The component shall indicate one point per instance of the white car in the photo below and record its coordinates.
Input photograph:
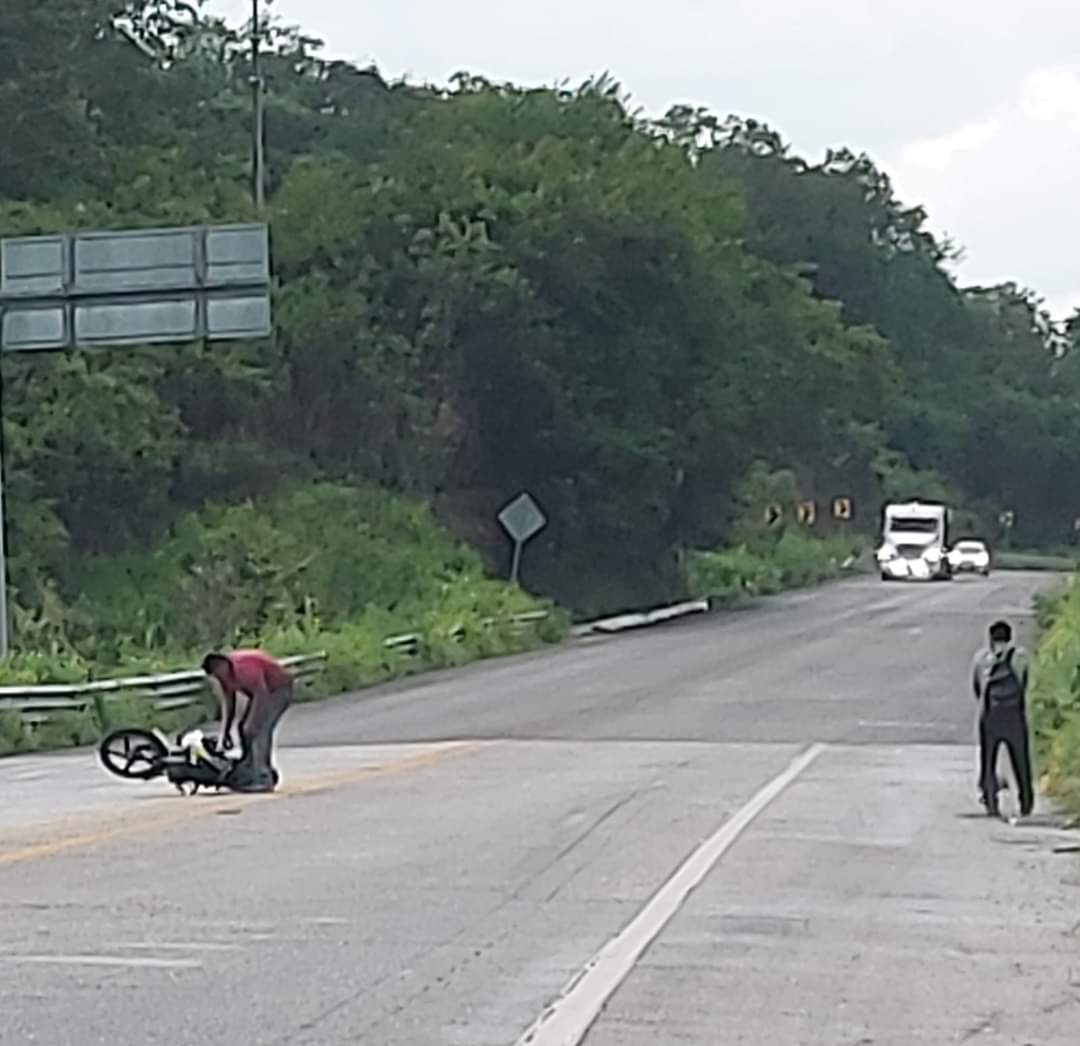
(970, 557)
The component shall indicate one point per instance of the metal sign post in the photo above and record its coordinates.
(522, 519)
(137, 287)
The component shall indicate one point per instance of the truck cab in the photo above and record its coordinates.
(914, 543)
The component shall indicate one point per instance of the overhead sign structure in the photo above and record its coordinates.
(135, 287)
(808, 513)
(842, 508)
(522, 519)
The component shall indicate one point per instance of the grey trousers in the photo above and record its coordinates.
(1008, 728)
(255, 770)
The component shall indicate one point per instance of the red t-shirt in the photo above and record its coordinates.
(253, 670)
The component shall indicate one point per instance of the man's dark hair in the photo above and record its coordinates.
(1001, 632)
(213, 660)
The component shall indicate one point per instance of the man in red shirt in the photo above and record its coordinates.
(268, 687)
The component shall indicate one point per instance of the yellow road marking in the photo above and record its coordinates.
(165, 813)
(336, 778)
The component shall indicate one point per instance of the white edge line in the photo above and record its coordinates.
(101, 960)
(567, 1020)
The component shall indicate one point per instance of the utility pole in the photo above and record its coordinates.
(258, 160)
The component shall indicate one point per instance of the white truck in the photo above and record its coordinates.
(914, 543)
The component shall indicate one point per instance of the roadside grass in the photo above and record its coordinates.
(1054, 702)
(790, 561)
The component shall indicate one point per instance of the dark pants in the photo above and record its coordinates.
(255, 770)
(1006, 727)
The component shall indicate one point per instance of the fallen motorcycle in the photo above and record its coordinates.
(194, 762)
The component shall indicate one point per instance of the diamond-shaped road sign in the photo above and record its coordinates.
(522, 518)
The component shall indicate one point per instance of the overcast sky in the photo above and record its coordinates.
(972, 106)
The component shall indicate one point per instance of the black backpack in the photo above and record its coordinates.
(1003, 686)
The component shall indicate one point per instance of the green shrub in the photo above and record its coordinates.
(318, 556)
(730, 574)
(322, 567)
(14, 734)
(1054, 702)
(792, 559)
(29, 668)
(65, 730)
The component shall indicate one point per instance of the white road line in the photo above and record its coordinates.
(895, 724)
(102, 960)
(174, 946)
(567, 1020)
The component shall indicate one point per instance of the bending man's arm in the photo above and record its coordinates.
(228, 717)
(258, 695)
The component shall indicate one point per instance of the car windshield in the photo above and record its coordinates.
(913, 525)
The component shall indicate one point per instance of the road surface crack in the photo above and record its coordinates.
(985, 1025)
(570, 847)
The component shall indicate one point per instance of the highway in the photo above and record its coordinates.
(758, 827)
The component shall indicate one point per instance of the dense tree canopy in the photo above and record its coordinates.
(486, 288)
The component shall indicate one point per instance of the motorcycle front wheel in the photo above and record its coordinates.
(133, 753)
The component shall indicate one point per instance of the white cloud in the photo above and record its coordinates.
(937, 153)
(1063, 305)
(1052, 94)
(1014, 220)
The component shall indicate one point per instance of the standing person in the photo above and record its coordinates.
(1000, 681)
(268, 687)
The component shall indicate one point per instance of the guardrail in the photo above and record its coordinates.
(626, 622)
(176, 690)
(1036, 561)
(170, 690)
(409, 642)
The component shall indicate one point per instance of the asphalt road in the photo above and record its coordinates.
(754, 828)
